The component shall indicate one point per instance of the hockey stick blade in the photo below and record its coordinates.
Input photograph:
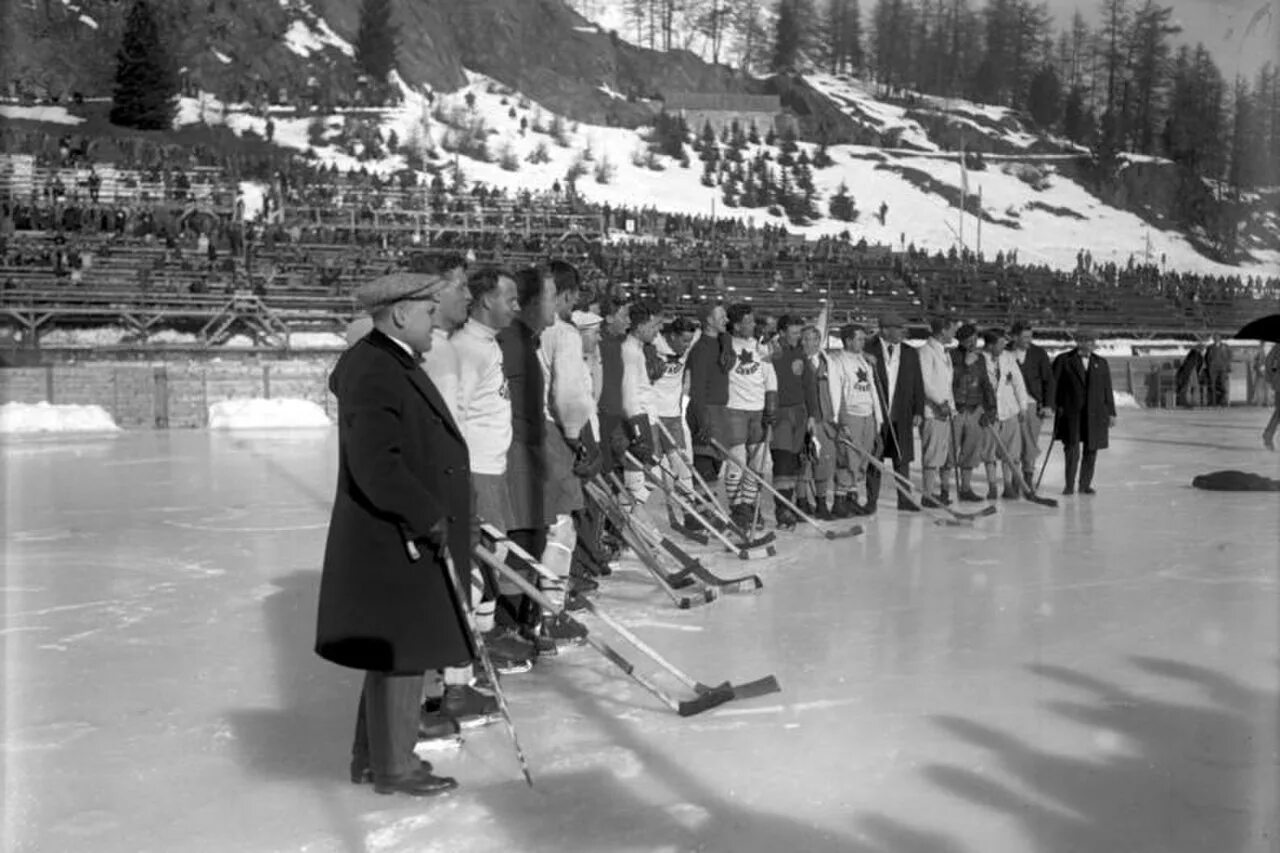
(830, 535)
(691, 535)
(759, 687)
(713, 698)
(1046, 502)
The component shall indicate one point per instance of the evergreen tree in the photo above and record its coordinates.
(1044, 101)
(841, 205)
(788, 37)
(146, 88)
(1077, 122)
(1148, 70)
(375, 40)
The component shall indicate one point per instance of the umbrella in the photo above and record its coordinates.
(1262, 329)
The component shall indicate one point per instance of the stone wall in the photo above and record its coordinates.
(159, 395)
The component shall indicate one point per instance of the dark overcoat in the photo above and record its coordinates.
(402, 467)
(1083, 404)
(908, 398)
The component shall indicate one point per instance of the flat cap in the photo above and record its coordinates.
(892, 320)
(586, 320)
(397, 286)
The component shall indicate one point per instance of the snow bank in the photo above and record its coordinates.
(53, 115)
(25, 418)
(266, 414)
(1125, 400)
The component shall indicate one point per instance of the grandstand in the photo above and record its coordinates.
(189, 248)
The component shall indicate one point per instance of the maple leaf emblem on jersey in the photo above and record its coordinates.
(746, 357)
(862, 374)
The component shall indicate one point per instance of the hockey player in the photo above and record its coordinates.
(791, 419)
(861, 418)
(612, 420)
(975, 408)
(935, 430)
(710, 360)
(484, 407)
(670, 390)
(638, 402)
(750, 411)
(569, 446)
(816, 490)
(1037, 375)
(1012, 403)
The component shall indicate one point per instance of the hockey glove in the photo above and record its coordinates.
(985, 420)
(640, 438)
(768, 417)
(586, 458)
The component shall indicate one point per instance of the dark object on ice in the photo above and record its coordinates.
(1262, 329)
(1235, 481)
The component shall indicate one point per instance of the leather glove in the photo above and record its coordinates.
(640, 439)
(586, 458)
(769, 417)
(985, 420)
(1042, 412)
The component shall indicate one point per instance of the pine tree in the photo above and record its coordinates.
(1044, 100)
(788, 38)
(146, 86)
(1148, 70)
(375, 40)
(1077, 122)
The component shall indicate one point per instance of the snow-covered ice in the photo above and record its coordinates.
(257, 413)
(1100, 677)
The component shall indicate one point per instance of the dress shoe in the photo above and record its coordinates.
(1088, 490)
(1068, 491)
(903, 506)
(362, 773)
(418, 783)
(436, 726)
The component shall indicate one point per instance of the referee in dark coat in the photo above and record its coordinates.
(1084, 409)
(403, 477)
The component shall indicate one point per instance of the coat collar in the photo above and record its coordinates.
(417, 377)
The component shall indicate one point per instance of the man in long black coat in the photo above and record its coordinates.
(898, 378)
(403, 487)
(1084, 408)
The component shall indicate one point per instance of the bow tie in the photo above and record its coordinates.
(672, 359)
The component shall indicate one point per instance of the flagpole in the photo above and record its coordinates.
(979, 219)
(964, 185)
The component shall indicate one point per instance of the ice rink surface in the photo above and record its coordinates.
(1098, 678)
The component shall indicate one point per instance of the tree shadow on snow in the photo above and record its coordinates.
(1163, 776)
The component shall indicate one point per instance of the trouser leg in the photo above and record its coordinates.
(1086, 468)
(1071, 453)
(391, 722)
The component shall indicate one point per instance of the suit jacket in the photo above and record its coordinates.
(403, 466)
(1217, 358)
(908, 399)
(1037, 375)
(1083, 401)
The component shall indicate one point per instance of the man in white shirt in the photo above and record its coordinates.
(815, 490)
(860, 416)
(935, 432)
(1012, 401)
(639, 406)
(753, 392)
(484, 409)
(670, 390)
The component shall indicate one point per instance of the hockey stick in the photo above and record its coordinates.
(905, 493)
(702, 702)
(1043, 465)
(955, 457)
(690, 565)
(801, 514)
(481, 649)
(685, 501)
(714, 504)
(907, 489)
(648, 559)
(750, 689)
(1017, 472)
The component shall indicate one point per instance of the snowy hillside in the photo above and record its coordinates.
(1028, 207)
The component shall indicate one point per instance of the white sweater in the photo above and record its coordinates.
(936, 370)
(1011, 391)
(484, 403)
(637, 390)
(441, 364)
(669, 388)
(569, 400)
(858, 395)
(751, 376)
